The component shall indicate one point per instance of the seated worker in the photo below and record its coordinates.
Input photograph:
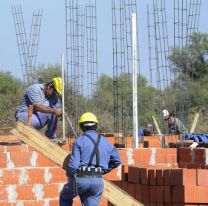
(92, 156)
(175, 126)
(147, 131)
(45, 99)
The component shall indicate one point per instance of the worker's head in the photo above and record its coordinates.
(168, 116)
(88, 121)
(148, 130)
(54, 87)
(165, 114)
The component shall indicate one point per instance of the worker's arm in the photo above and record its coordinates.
(44, 109)
(74, 161)
(114, 162)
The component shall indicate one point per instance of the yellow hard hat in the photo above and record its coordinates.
(88, 117)
(57, 82)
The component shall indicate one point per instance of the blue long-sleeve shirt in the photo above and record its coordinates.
(83, 148)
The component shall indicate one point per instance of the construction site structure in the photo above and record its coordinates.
(33, 171)
(27, 46)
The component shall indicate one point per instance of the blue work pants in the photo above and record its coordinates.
(89, 190)
(39, 120)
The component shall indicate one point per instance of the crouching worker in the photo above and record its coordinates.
(92, 156)
(46, 106)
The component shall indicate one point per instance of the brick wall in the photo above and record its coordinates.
(155, 176)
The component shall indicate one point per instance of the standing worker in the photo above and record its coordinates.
(92, 156)
(46, 106)
(175, 125)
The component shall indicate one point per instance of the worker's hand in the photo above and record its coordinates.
(58, 112)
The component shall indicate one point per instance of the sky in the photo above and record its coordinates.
(52, 35)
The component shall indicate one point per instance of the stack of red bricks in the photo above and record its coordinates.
(156, 186)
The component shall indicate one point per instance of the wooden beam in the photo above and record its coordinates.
(194, 123)
(9, 139)
(61, 157)
(156, 125)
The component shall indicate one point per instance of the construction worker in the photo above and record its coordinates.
(46, 106)
(92, 156)
(147, 131)
(175, 125)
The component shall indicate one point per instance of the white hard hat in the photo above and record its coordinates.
(165, 114)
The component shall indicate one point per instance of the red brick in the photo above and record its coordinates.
(3, 193)
(159, 177)
(166, 177)
(202, 177)
(153, 141)
(172, 138)
(53, 203)
(2, 149)
(123, 155)
(134, 174)
(17, 148)
(159, 194)
(25, 192)
(113, 175)
(58, 175)
(145, 193)
(118, 183)
(192, 158)
(3, 158)
(153, 193)
(183, 177)
(124, 172)
(21, 159)
(36, 176)
(166, 156)
(138, 192)
(43, 161)
(189, 194)
(142, 156)
(124, 185)
(51, 190)
(9, 176)
(167, 194)
(144, 176)
(152, 176)
(132, 189)
(33, 203)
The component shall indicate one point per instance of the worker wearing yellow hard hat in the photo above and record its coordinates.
(57, 82)
(46, 105)
(92, 156)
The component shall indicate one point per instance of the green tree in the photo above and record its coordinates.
(45, 74)
(192, 60)
(191, 66)
(11, 89)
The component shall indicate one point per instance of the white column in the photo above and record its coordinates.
(63, 97)
(134, 79)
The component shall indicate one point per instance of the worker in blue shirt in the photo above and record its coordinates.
(92, 156)
(46, 106)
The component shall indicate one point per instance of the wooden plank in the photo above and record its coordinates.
(194, 123)
(156, 125)
(9, 138)
(61, 157)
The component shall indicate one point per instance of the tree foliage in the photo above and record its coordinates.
(193, 59)
(11, 90)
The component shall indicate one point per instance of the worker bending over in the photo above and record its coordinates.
(46, 106)
(175, 125)
(92, 156)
